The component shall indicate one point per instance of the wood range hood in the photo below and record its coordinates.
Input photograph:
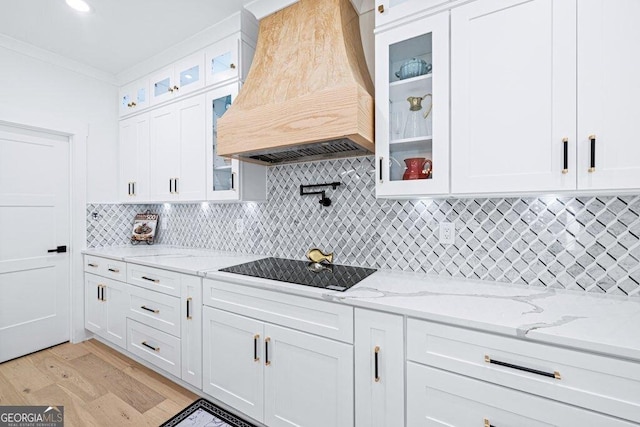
(308, 95)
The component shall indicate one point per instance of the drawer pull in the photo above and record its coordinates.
(376, 351)
(92, 265)
(99, 287)
(256, 358)
(267, 362)
(150, 279)
(150, 309)
(554, 374)
(114, 270)
(487, 423)
(144, 343)
(189, 316)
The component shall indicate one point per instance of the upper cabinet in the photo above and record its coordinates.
(228, 59)
(390, 10)
(134, 97)
(412, 109)
(608, 92)
(134, 155)
(229, 179)
(177, 138)
(551, 106)
(512, 97)
(178, 79)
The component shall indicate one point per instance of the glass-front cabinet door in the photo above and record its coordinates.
(222, 172)
(162, 86)
(412, 109)
(134, 97)
(221, 62)
(188, 74)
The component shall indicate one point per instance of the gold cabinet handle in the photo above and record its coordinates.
(554, 374)
(189, 315)
(114, 270)
(267, 362)
(153, 310)
(144, 343)
(565, 154)
(176, 88)
(256, 358)
(376, 352)
(150, 279)
(487, 423)
(381, 8)
(592, 163)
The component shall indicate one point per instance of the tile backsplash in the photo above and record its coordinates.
(580, 243)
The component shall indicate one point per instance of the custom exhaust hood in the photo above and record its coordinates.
(308, 94)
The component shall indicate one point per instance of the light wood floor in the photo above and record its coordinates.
(96, 385)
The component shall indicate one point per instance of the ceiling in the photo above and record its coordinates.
(116, 34)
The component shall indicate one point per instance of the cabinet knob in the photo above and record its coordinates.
(170, 89)
(232, 66)
(381, 8)
(133, 104)
(176, 88)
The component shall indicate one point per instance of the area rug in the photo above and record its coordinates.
(203, 413)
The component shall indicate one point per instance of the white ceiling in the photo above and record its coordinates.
(117, 34)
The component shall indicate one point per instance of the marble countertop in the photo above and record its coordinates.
(598, 323)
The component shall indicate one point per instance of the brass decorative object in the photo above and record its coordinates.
(316, 255)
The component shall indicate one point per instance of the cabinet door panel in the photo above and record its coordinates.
(379, 340)
(513, 96)
(608, 93)
(231, 372)
(162, 86)
(94, 308)
(191, 334)
(116, 298)
(192, 163)
(165, 149)
(134, 155)
(309, 380)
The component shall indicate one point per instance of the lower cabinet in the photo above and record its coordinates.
(379, 369)
(105, 304)
(440, 398)
(157, 316)
(277, 375)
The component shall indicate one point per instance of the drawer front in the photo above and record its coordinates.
(439, 398)
(106, 267)
(305, 314)
(167, 282)
(599, 383)
(154, 346)
(155, 309)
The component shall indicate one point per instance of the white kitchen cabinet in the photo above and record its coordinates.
(412, 114)
(228, 59)
(177, 141)
(513, 96)
(608, 94)
(518, 100)
(255, 361)
(379, 369)
(105, 307)
(191, 330)
(177, 79)
(229, 179)
(233, 367)
(436, 397)
(387, 11)
(134, 159)
(134, 97)
(276, 375)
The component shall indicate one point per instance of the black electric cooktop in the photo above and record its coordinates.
(327, 276)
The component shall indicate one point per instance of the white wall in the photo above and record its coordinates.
(58, 91)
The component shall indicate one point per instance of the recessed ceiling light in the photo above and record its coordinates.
(79, 5)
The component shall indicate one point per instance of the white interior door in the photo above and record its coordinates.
(34, 218)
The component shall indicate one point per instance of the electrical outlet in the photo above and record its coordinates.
(447, 233)
(239, 226)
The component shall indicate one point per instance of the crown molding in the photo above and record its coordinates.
(49, 57)
(262, 8)
(363, 6)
